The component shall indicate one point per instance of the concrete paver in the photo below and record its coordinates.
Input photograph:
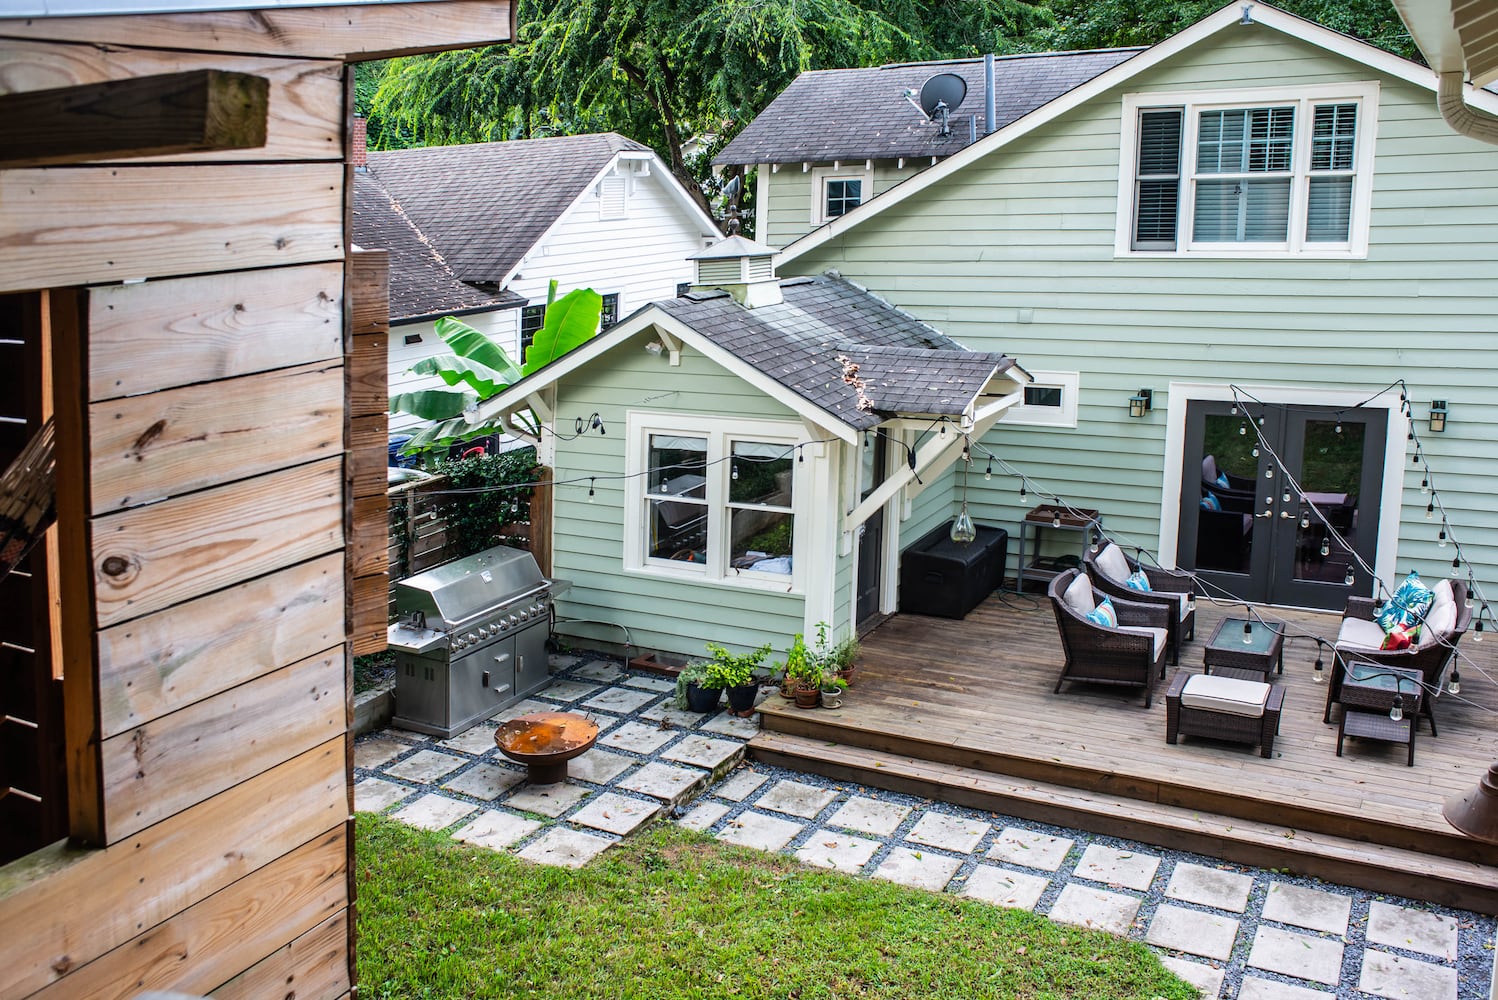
(548, 800)
(614, 813)
(703, 815)
(1400, 978)
(1206, 978)
(1313, 909)
(918, 869)
(636, 737)
(599, 766)
(840, 851)
(705, 752)
(478, 741)
(796, 798)
(1412, 930)
(1030, 849)
(1254, 988)
(1213, 887)
(1098, 909)
(868, 815)
(1001, 887)
(1303, 956)
(380, 750)
(564, 847)
(496, 829)
(374, 794)
(761, 832)
(950, 833)
(426, 766)
(740, 784)
(665, 782)
(484, 781)
(1209, 935)
(433, 812)
(1130, 869)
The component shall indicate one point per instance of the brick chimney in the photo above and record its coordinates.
(358, 155)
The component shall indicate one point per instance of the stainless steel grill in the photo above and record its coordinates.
(470, 639)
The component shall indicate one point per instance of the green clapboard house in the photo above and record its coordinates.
(1250, 250)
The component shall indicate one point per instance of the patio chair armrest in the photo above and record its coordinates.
(1177, 685)
(1168, 581)
(1360, 607)
(1276, 700)
(1139, 613)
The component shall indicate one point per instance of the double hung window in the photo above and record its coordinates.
(838, 191)
(713, 498)
(1284, 174)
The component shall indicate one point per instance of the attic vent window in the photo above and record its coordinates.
(761, 268)
(613, 199)
(717, 272)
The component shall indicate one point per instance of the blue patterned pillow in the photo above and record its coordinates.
(1407, 606)
(1210, 502)
(1138, 581)
(1222, 480)
(1105, 614)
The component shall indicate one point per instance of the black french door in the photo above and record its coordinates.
(1249, 533)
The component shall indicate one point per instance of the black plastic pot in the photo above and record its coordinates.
(701, 699)
(741, 698)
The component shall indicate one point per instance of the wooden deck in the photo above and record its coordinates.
(964, 711)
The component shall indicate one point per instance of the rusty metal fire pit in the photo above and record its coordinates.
(544, 742)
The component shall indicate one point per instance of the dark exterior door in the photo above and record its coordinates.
(1281, 532)
(872, 470)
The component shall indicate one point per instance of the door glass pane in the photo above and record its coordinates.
(677, 498)
(1331, 473)
(1224, 527)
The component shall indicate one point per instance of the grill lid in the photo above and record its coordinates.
(457, 591)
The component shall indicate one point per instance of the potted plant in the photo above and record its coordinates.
(837, 659)
(804, 672)
(832, 691)
(692, 692)
(736, 674)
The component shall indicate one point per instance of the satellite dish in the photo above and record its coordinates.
(943, 89)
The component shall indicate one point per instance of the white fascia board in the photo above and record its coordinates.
(672, 185)
(1224, 19)
(652, 316)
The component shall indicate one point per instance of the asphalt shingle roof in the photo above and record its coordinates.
(859, 114)
(484, 205)
(421, 283)
(843, 349)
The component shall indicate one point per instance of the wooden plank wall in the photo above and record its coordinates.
(368, 417)
(203, 404)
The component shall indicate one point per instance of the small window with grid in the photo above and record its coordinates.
(532, 319)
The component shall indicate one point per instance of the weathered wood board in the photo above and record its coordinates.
(149, 558)
(312, 967)
(161, 334)
(370, 543)
(147, 448)
(371, 612)
(168, 660)
(213, 940)
(136, 884)
(305, 120)
(89, 225)
(369, 455)
(370, 31)
(168, 765)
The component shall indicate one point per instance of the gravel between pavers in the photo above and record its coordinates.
(1475, 939)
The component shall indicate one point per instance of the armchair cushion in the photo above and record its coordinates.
(1439, 621)
(1359, 633)
(1400, 637)
(1210, 502)
(1079, 597)
(1157, 636)
(1137, 580)
(1408, 605)
(1113, 563)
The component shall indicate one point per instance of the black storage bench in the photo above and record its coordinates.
(946, 579)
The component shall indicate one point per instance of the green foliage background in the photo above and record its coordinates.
(474, 519)
(665, 71)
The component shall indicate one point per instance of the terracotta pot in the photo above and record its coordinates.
(807, 697)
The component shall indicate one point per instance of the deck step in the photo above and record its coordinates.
(1341, 860)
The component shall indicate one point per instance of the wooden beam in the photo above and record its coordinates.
(197, 111)
(352, 33)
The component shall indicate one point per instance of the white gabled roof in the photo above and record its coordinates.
(1225, 19)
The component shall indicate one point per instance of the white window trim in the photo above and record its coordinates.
(1064, 415)
(821, 175)
(640, 425)
(1364, 94)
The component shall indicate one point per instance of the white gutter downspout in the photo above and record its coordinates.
(1474, 124)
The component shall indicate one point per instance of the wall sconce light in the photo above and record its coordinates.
(1437, 416)
(1141, 402)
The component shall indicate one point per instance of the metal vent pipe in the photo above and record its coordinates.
(988, 112)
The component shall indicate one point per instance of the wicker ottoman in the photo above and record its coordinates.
(1224, 708)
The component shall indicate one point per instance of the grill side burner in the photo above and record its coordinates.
(470, 640)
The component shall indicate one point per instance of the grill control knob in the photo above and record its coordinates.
(469, 638)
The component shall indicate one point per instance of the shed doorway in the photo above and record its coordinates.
(1289, 531)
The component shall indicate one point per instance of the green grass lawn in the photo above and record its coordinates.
(672, 914)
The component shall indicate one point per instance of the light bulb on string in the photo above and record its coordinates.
(1285, 496)
(1350, 578)
(1430, 511)
(1022, 490)
(1094, 543)
(1248, 632)
(1326, 547)
(1056, 519)
(735, 473)
(590, 489)
(1234, 411)
(1256, 451)
(1424, 486)
(1305, 520)
(1269, 472)
(1456, 566)
(1441, 538)
(1338, 428)
(1396, 710)
(963, 530)
(1454, 685)
(1416, 459)
(1243, 429)
(1318, 672)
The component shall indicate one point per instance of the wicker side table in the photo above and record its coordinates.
(1227, 654)
(1367, 694)
(1255, 730)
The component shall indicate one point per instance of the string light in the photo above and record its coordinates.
(590, 489)
(988, 472)
(1318, 672)
(1454, 684)
(1441, 538)
(1396, 710)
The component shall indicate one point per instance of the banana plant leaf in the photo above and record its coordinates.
(445, 432)
(469, 343)
(434, 404)
(571, 321)
(475, 374)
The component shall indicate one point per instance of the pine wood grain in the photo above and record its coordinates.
(369, 545)
(165, 766)
(147, 448)
(214, 939)
(169, 660)
(371, 613)
(312, 967)
(152, 557)
(369, 377)
(369, 455)
(190, 111)
(136, 884)
(369, 31)
(89, 225)
(162, 334)
(304, 100)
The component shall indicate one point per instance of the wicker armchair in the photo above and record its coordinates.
(1129, 654)
(1433, 658)
(1168, 588)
